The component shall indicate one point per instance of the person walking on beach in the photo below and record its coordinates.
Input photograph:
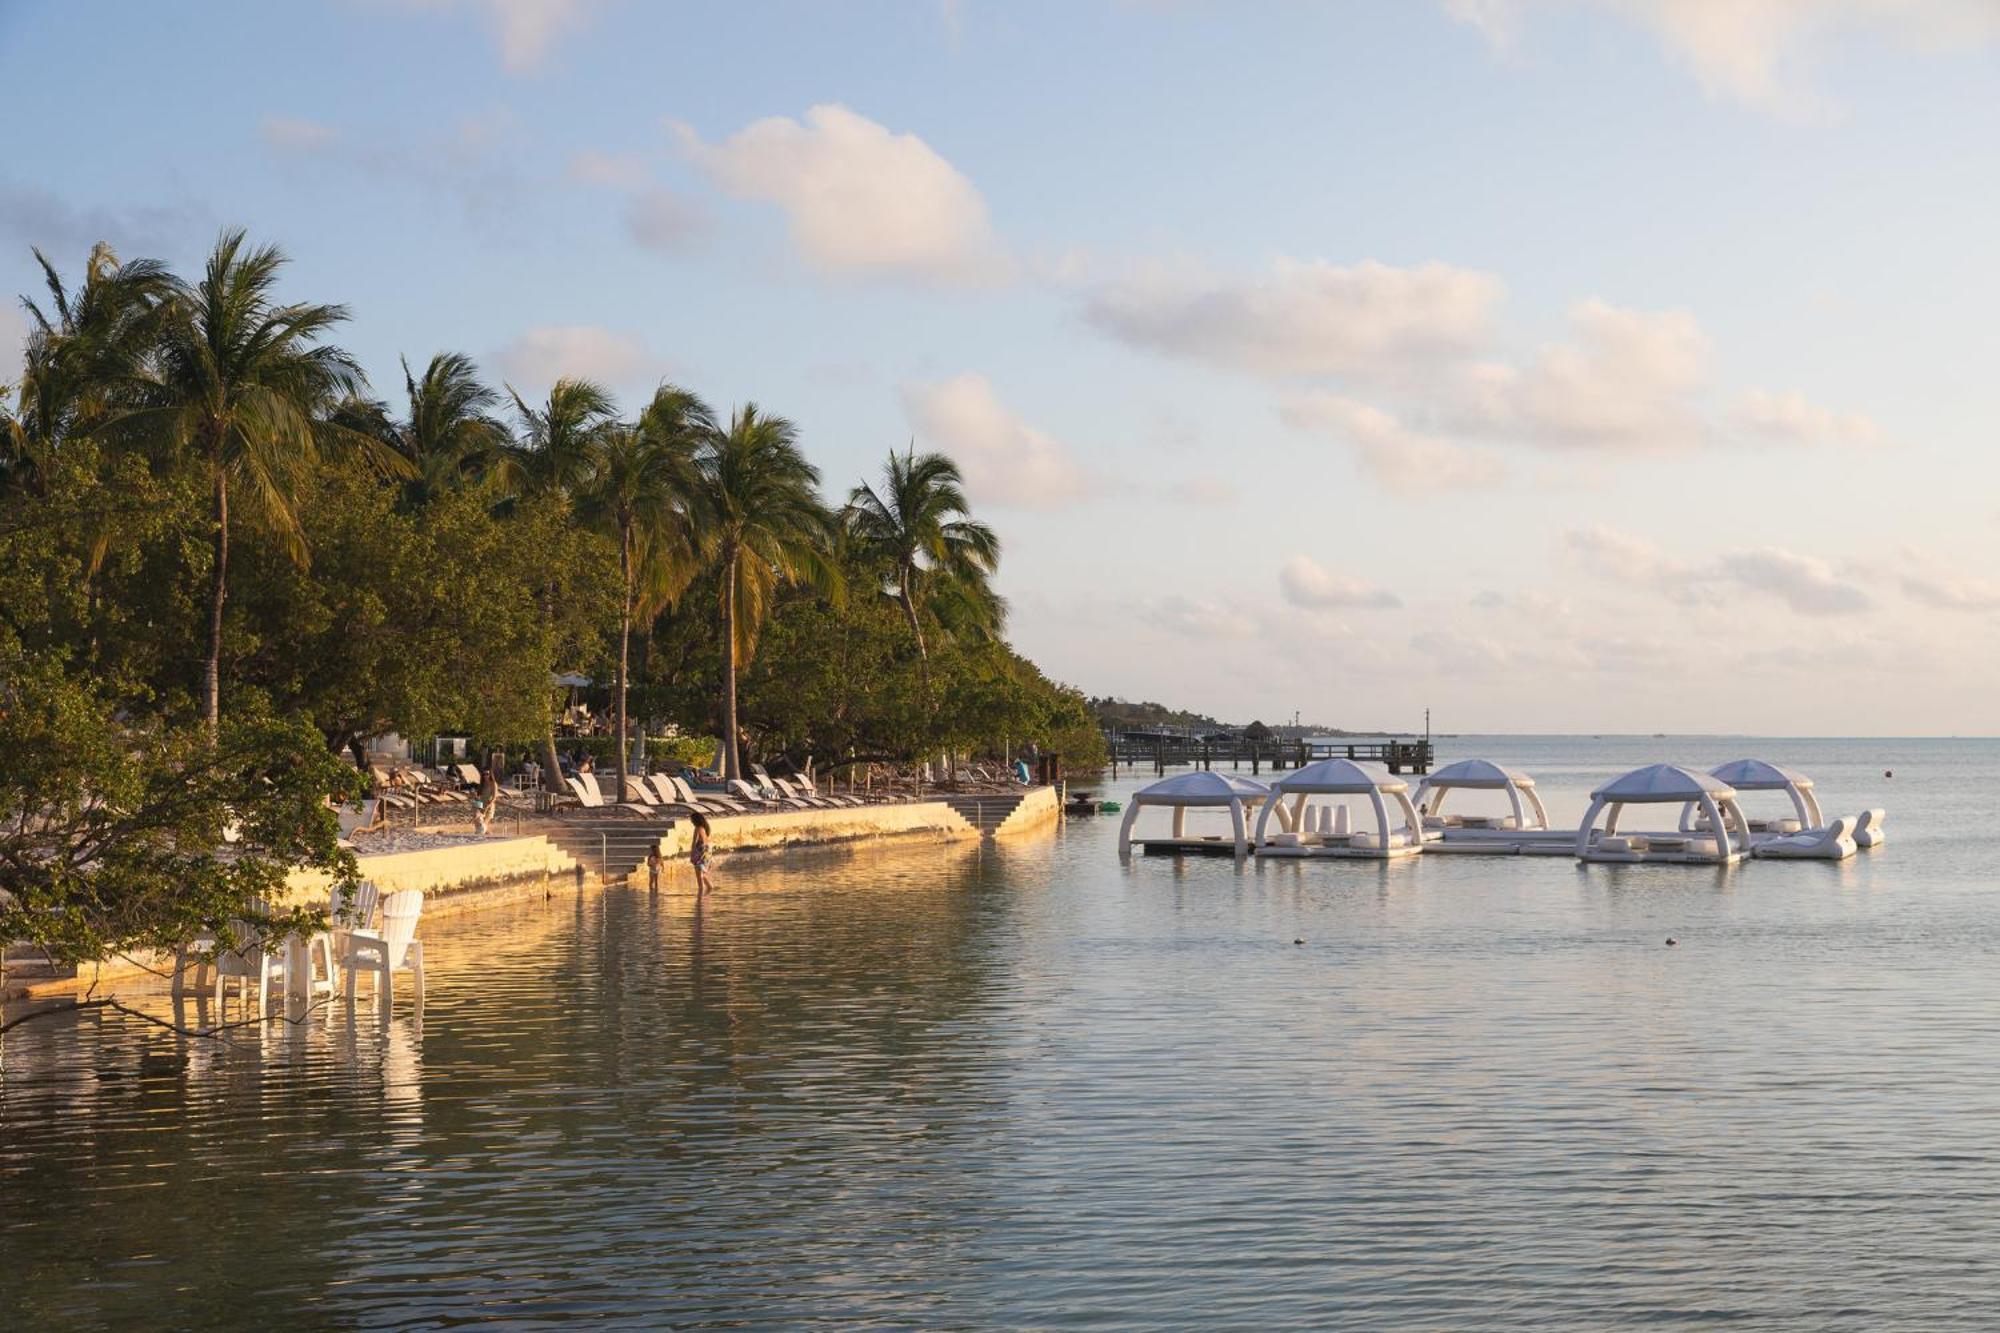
(698, 854)
(485, 801)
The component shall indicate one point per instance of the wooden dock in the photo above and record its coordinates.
(1142, 752)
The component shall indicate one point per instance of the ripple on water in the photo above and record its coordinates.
(1023, 1085)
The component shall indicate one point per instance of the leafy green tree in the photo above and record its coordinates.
(112, 829)
(757, 497)
(550, 458)
(639, 492)
(237, 386)
(920, 527)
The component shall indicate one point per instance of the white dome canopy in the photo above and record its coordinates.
(1662, 782)
(1478, 773)
(1337, 776)
(1757, 775)
(1200, 788)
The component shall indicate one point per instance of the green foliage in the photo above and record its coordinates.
(112, 831)
(200, 496)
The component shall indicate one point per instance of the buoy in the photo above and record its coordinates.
(1671, 941)
(1888, 772)
(1299, 941)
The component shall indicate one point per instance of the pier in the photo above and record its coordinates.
(1147, 751)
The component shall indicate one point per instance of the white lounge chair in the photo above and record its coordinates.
(1868, 831)
(391, 949)
(1831, 843)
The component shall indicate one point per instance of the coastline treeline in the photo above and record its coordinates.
(217, 538)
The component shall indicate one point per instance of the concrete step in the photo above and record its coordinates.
(985, 811)
(611, 849)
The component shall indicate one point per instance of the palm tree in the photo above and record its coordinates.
(920, 527)
(757, 497)
(554, 456)
(451, 439)
(81, 353)
(639, 492)
(239, 385)
(554, 453)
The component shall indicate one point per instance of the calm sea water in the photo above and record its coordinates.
(1020, 1085)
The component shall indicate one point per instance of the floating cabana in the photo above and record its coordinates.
(1526, 829)
(1317, 828)
(1723, 838)
(1804, 835)
(1194, 791)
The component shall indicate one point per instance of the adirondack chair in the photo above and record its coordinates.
(388, 950)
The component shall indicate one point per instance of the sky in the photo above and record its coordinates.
(1554, 365)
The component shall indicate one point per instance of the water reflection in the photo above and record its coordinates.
(1019, 1084)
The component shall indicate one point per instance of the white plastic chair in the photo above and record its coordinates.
(261, 962)
(391, 949)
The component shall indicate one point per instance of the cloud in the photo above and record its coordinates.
(1807, 584)
(1305, 583)
(66, 232)
(1757, 51)
(471, 163)
(13, 337)
(1207, 491)
(1932, 582)
(859, 200)
(663, 220)
(625, 171)
(1198, 618)
(1450, 650)
(294, 134)
(524, 30)
(1006, 461)
(1303, 317)
(551, 352)
(1398, 457)
(1787, 418)
(1626, 384)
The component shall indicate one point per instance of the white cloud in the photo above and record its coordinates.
(1006, 461)
(1209, 491)
(551, 352)
(1756, 51)
(1449, 650)
(294, 134)
(1306, 583)
(859, 199)
(623, 171)
(1807, 584)
(1625, 384)
(1198, 618)
(1787, 418)
(663, 220)
(1933, 582)
(13, 337)
(1398, 457)
(525, 30)
(1303, 317)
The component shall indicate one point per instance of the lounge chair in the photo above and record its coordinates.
(1831, 843)
(709, 802)
(391, 949)
(1868, 831)
(591, 798)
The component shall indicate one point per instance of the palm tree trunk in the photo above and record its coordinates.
(910, 611)
(732, 762)
(624, 641)
(211, 673)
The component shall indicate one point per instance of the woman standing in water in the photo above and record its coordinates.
(698, 853)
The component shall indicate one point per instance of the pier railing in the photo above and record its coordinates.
(1159, 753)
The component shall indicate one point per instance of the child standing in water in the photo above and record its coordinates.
(698, 853)
(653, 863)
